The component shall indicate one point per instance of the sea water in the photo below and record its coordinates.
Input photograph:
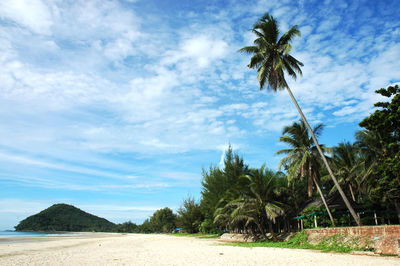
(7, 237)
(12, 234)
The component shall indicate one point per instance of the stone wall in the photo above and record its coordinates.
(384, 239)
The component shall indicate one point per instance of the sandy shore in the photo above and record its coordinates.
(136, 249)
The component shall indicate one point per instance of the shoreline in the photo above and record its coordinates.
(152, 249)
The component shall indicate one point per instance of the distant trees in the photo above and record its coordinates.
(127, 227)
(190, 216)
(163, 220)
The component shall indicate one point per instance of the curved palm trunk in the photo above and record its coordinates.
(346, 201)
(324, 201)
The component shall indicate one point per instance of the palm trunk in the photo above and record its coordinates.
(346, 201)
(396, 204)
(352, 193)
(296, 205)
(324, 201)
(271, 231)
(262, 231)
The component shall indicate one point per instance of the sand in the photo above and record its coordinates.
(137, 249)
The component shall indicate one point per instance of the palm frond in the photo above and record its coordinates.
(249, 50)
(288, 36)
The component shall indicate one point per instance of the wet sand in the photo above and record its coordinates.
(138, 249)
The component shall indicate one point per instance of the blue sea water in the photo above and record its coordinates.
(12, 234)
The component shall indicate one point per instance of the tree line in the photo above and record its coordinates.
(263, 202)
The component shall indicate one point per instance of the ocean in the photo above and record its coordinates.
(9, 235)
(21, 234)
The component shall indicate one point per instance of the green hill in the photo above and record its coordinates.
(63, 217)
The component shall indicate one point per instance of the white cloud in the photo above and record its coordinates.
(201, 49)
(32, 14)
(23, 161)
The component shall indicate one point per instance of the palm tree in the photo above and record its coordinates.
(257, 205)
(302, 158)
(348, 166)
(370, 145)
(271, 58)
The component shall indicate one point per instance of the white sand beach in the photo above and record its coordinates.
(138, 249)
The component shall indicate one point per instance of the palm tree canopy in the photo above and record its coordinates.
(302, 156)
(349, 167)
(257, 204)
(263, 190)
(271, 55)
(346, 159)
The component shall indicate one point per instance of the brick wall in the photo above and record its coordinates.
(385, 238)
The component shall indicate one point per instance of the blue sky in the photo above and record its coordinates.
(116, 106)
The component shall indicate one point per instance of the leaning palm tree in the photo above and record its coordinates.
(271, 58)
(302, 157)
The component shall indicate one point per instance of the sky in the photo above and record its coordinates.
(116, 107)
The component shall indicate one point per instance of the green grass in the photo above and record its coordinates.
(299, 241)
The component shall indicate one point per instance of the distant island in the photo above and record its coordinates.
(64, 217)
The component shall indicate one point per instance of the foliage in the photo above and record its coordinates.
(322, 217)
(220, 185)
(127, 227)
(349, 164)
(270, 53)
(146, 227)
(190, 216)
(63, 217)
(163, 220)
(256, 207)
(384, 124)
(208, 226)
(302, 159)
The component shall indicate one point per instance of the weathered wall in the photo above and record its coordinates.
(385, 239)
